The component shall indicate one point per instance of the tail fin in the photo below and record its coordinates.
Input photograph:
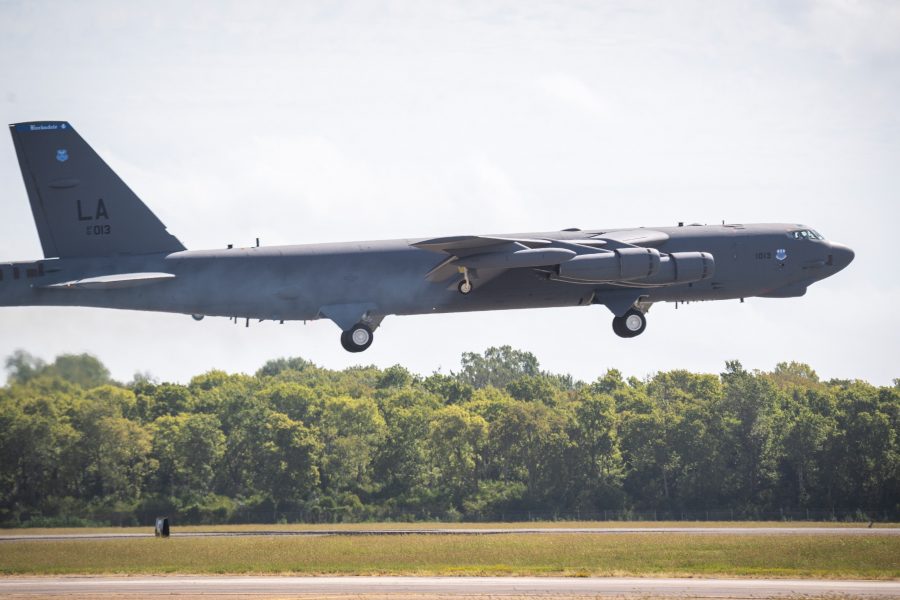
(80, 205)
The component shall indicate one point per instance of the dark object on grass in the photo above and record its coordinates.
(162, 527)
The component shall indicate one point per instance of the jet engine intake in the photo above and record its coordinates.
(617, 265)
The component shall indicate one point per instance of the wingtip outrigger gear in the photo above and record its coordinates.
(465, 286)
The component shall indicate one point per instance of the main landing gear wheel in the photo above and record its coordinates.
(357, 338)
(464, 286)
(630, 324)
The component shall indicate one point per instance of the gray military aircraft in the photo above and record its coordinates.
(104, 248)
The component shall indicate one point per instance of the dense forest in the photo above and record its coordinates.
(499, 439)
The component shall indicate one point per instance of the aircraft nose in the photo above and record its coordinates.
(840, 256)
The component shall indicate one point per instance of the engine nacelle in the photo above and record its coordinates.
(618, 265)
(683, 267)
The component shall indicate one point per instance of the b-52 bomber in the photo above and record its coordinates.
(104, 248)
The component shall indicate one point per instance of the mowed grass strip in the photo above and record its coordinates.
(818, 556)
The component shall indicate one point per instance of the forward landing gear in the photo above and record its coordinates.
(630, 324)
(357, 338)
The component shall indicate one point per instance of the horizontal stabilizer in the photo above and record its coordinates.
(111, 282)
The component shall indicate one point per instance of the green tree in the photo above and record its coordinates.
(22, 366)
(595, 434)
(751, 409)
(113, 455)
(279, 365)
(187, 448)
(401, 462)
(456, 438)
(119, 452)
(170, 399)
(296, 400)
(36, 451)
(287, 461)
(499, 436)
(352, 430)
(83, 370)
(536, 388)
(865, 454)
(806, 433)
(497, 367)
(395, 377)
(527, 443)
(450, 389)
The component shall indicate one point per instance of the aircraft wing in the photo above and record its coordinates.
(634, 237)
(463, 245)
(466, 245)
(487, 256)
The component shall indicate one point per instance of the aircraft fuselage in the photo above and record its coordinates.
(295, 282)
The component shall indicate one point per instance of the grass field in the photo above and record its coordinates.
(437, 525)
(819, 556)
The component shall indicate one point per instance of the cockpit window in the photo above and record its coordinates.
(806, 234)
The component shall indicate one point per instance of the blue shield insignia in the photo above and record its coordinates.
(780, 254)
(62, 155)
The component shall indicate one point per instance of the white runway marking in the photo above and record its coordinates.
(523, 586)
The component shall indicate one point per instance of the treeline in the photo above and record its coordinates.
(497, 438)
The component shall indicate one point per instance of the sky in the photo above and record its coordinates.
(304, 122)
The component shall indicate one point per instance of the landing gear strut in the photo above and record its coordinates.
(630, 324)
(465, 286)
(357, 338)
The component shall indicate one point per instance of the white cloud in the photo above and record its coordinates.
(858, 30)
(573, 92)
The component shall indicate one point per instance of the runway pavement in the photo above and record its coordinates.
(518, 586)
(476, 531)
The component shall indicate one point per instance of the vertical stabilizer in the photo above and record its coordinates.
(80, 206)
